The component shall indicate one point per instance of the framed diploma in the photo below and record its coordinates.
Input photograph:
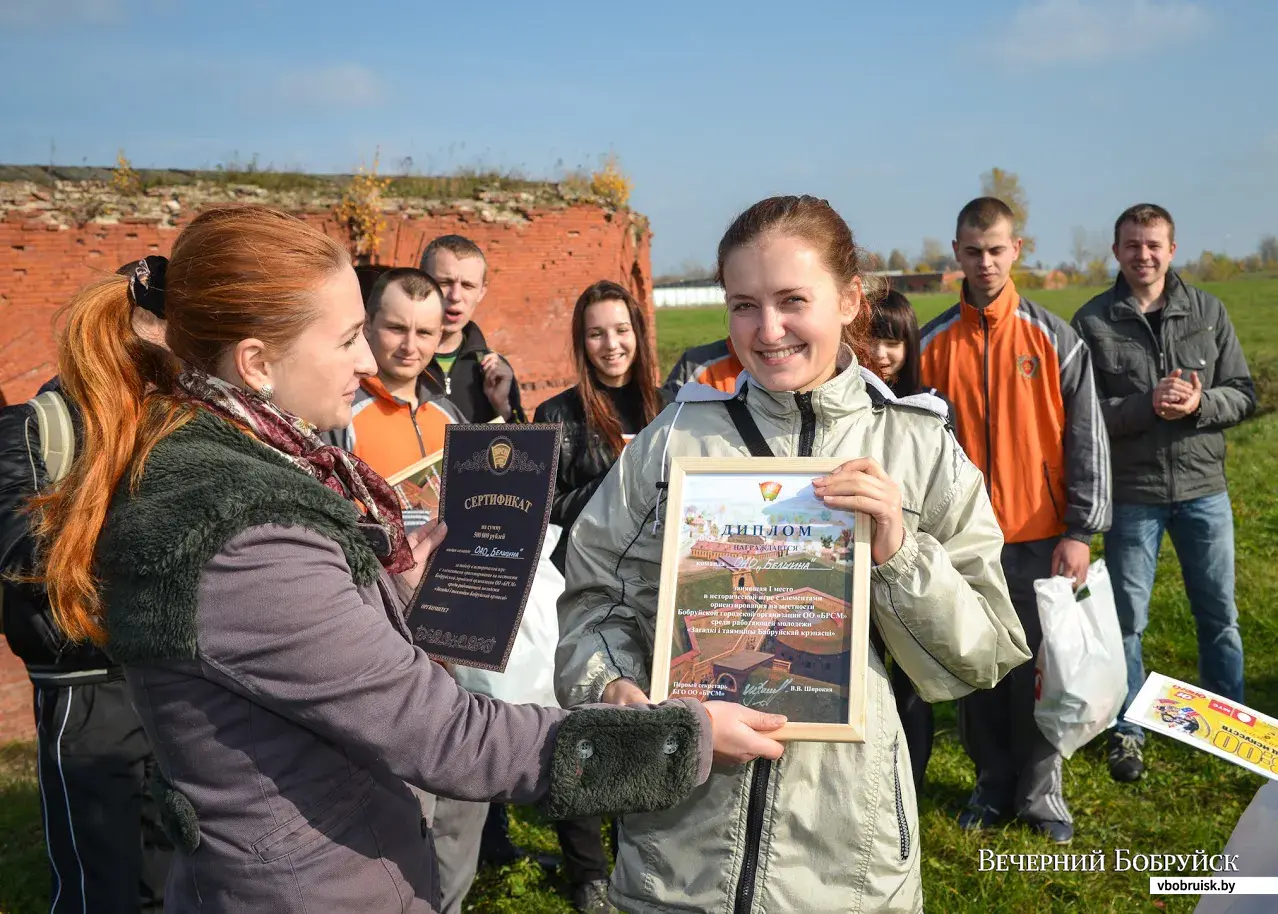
(418, 489)
(765, 595)
(495, 494)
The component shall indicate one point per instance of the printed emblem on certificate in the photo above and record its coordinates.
(765, 595)
(495, 495)
(418, 489)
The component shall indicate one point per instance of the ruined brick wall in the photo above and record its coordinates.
(542, 251)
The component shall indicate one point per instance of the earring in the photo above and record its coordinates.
(266, 392)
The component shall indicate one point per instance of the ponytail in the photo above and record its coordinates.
(234, 273)
(111, 374)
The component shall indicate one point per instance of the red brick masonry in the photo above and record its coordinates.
(538, 267)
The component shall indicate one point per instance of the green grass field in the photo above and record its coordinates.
(1188, 802)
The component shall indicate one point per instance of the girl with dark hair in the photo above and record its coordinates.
(831, 827)
(615, 397)
(894, 343)
(894, 357)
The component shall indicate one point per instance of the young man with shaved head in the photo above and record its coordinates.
(1028, 416)
(478, 380)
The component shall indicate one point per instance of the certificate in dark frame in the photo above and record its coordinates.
(496, 492)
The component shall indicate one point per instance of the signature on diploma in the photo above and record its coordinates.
(763, 693)
(491, 553)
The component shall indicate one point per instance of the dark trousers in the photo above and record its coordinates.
(1017, 770)
(580, 840)
(107, 853)
(916, 721)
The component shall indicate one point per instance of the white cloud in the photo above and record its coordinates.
(59, 12)
(1046, 32)
(343, 86)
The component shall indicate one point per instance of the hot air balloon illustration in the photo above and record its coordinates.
(770, 490)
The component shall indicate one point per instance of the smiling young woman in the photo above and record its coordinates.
(615, 397)
(834, 824)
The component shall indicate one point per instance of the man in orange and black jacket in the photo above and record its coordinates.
(713, 364)
(1028, 416)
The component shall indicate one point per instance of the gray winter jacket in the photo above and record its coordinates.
(831, 827)
(1158, 461)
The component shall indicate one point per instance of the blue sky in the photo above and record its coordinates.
(891, 111)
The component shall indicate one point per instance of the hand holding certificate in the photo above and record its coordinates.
(496, 487)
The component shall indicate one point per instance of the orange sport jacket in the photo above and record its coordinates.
(388, 434)
(1027, 414)
(714, 364)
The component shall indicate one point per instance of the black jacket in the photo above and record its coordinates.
(1159, 461)
(463, 384)
(28, 621)
(584, 460)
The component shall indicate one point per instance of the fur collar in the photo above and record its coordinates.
(202, 485)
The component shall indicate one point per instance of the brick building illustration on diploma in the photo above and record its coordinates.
(764, 599)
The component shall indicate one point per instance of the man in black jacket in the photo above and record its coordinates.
(107, 852)
(1171, 377)
(477, 380)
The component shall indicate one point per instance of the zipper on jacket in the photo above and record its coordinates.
(1159, 348)
(807, 423)
(902, 821)
(761, 776)
(412, 416)
(989, 432)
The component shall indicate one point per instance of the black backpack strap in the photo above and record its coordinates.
(747, 428)
(758, 446)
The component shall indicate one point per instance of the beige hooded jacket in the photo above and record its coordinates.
(829, 827)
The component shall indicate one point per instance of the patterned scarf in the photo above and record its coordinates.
(295, 440)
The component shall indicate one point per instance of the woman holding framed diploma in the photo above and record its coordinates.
(250, 580)
(830, 827)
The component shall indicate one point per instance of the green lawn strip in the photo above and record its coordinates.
(24, 867)
(1189, 801)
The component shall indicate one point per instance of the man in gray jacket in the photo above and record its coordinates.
(1171, 377)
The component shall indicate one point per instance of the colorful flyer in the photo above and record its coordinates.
(1206, 721)
(764, 595)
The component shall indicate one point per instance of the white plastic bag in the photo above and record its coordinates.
(1080, 675)
(530, 672)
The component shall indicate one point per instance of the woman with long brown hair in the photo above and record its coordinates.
(614, 399)
(250, 580)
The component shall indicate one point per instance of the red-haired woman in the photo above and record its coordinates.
(250, 581)
(615, 398)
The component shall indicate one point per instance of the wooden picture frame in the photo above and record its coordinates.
(788, 582)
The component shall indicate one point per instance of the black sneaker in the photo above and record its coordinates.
(592, 898)
(1057, 832)
(1126, 763)
(978, 818)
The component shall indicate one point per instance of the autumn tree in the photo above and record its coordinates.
(1268, 250)
(1006, 186)
(935, 255)
(897, 260)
